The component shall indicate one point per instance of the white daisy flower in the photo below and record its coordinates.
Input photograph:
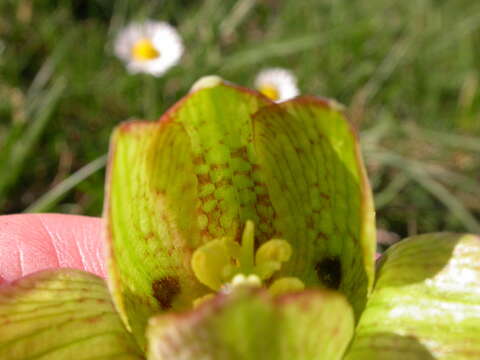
(277, 84)
(150, 47)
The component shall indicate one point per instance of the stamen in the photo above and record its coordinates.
(201, 300)
(286, 285)
(210, 262)
(248, 244)
(270, 256)
(223, 264)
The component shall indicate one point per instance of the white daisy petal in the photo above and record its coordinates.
(126, 39)
(276, 83)
(150, 47)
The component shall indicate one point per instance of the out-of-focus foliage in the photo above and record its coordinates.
(407, 71)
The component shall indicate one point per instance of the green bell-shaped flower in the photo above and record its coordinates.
(188, 184)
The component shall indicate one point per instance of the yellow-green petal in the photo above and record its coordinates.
(62, 314)
(312, 168)
(150, 204)
(250, 325)
(172, 186)
(426, 302)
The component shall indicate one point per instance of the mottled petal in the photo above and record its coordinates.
(310, 325)
(61, 314)
(426, 302)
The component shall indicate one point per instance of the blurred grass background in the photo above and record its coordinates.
(408, 71)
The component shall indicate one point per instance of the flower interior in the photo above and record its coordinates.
(223, 264)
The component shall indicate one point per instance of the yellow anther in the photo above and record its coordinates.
(270, 91)
(143, 50)
(210, 261)
(270, 256)
(267, 269)
(286, 285)
(273, 250)
(203, 299)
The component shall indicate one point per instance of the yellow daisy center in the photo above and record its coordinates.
(269, 91)
(223, 264)
(143, 50)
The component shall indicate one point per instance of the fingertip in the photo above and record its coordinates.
(34, 242)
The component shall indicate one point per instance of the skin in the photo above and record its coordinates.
(34, 242)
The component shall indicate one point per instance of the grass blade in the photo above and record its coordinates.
(23, 146)
(50, 198)
(422, 177)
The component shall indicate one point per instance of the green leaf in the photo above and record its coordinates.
(426, 302)
(310, 160)
(61, 314)
(308, 325)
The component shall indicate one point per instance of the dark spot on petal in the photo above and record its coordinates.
(165, 290)
(329, 272)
